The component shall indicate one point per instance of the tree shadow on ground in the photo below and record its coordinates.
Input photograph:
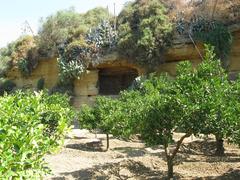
(85, 147)
(199, 147)
(206, 149)
(122, 170)
(131, 151)
(231, 174)
(228, 157)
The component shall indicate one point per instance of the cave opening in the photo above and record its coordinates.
(113, 80)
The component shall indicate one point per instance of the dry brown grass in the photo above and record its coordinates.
(224, 10)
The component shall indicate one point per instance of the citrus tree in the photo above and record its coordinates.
(31, 125)
(198, 100)
(106, 115)
(232, 113)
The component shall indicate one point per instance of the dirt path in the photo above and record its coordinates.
(78, 159)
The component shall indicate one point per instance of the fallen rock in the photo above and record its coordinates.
(125, 173)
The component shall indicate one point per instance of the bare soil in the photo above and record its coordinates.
(81, 159)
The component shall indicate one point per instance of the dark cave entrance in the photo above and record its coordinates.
(113, 80)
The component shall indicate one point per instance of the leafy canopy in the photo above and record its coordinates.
(66, 25)
(198, 100)
(31, 125)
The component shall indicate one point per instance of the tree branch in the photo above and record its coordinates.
(179, 143)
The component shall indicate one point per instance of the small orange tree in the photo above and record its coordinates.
(197, 101)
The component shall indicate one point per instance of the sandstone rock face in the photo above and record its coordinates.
(47, 69)
(87, 84)
(87, 87)
(187, 51)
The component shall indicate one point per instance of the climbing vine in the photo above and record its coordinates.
(76, 56)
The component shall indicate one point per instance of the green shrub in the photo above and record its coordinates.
(5, 64)
(66, 25)
(21, 52)
(144, 31)
(6, 86)
(40, 84)
(23, 67)
(75, 57)
(87, 118)
(31, 125)
(63, 87)
(216, 34)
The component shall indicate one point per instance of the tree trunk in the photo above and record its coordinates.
(107, 141)
(219, 146)
(170, 157)
(170, 168)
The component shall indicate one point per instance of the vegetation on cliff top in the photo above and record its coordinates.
(144, 29)
(66, 26)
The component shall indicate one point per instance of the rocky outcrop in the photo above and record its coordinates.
(46, 69)
(87, 87)
(184, 49)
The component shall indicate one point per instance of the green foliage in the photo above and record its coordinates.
(76, 56)
(199, 100)
(5, 59)
(215, 34)
(55, 30)
(22, 53)
(31, 125)
(100, 116)
(87, 118)
(23, 67)
(74, 60)
(5, 64)
(40, 84)
(144, 31)
(63, 87)
(232, 113)
(95, 16)
(65, 26)
(6, 86)
(112, 116)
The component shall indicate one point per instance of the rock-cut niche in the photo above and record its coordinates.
(113, 80)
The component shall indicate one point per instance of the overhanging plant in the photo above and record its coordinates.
(75, 57)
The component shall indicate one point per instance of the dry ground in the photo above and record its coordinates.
(132, 160)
